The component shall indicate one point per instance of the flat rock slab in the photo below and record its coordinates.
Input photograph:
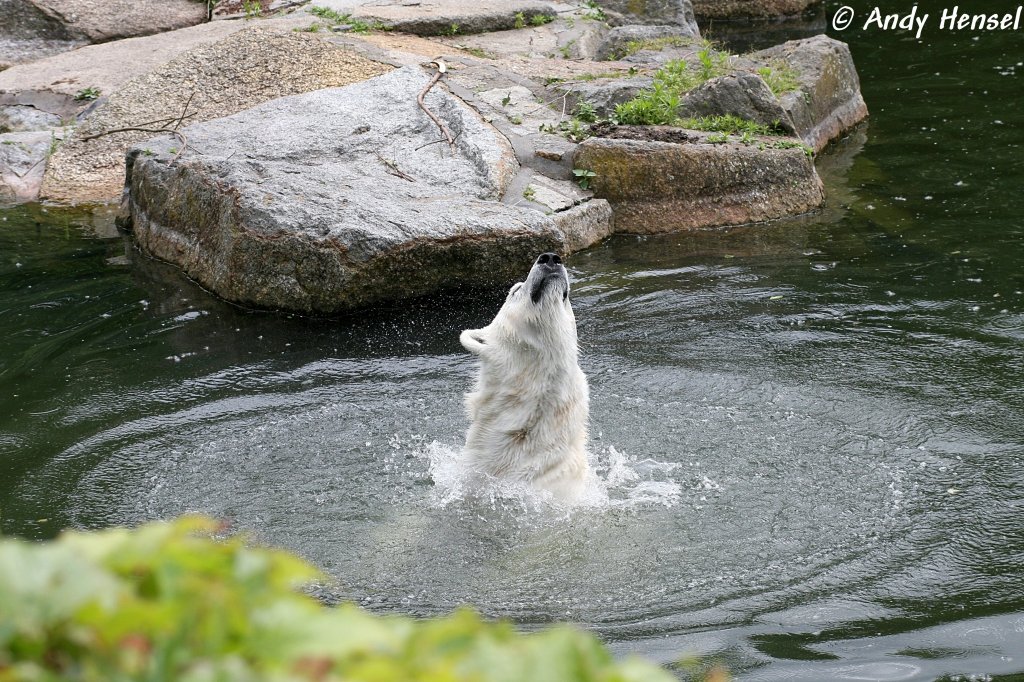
(105, 67)
(343, 197)
(829, 101)
(442, 17)
(650, 12)
(99, 21)
(743, 10)
(656, 186)
(215, 79)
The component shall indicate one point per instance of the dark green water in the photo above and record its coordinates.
(812, 432)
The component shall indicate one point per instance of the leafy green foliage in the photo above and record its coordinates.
(87, 94)
(653, 44)
(585, 111)
(658, 105)
(572, 129)
(340, 19)
(729, 124)
(780, 77)
(583, 177)
(594, 11)
(165, 602)
(713, 64)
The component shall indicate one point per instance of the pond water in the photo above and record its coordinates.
(810, 433)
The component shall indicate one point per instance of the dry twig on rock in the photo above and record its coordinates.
(173, 131)
(441, 69)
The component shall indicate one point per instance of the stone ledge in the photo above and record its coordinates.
(657, 187)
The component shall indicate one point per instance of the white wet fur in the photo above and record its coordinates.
(528, 411)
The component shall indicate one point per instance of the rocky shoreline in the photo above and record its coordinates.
(284, 162)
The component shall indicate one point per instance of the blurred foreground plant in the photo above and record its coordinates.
(167, 602)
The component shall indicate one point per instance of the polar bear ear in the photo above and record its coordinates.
(512, 292)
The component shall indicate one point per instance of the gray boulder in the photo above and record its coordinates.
(343, 197)
(744, 94)
(655, 12)
(20, 118)
(22, 162)
(658, 186)
(829, 101)
(602, 94)
(624, 40)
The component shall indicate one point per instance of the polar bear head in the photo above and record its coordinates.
(537, 311)
(528, 412)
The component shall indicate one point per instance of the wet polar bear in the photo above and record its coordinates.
(528, 411)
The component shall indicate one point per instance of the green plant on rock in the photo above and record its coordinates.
(585, 111)
(87, 94)
(583, 177)
(252, 8)
(520, 20)
(793, 144)
(733, 125)
(355, 24)
(167, 602)
(541, 19)
(573, 130)
(651, 44)
(594, 11)
(780, 77)
(717, 138)
(529, 193)
(656, 106)
(713, 64)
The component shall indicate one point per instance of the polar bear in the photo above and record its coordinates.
(529, 409)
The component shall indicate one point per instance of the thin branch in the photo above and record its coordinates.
(184, 110)
(440, 124)
(393, 169)
(172, 131)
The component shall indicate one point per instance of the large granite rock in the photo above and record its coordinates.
(651, 12)
(621, 41)
(656, 186)
(603, 94)
(343, 197)
(745, 95)
(828, 101)
(99, 21)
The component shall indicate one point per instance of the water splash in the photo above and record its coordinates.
(615, 480)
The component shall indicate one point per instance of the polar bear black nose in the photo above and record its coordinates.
(546, 258)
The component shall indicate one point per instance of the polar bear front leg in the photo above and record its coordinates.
(473, 340)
